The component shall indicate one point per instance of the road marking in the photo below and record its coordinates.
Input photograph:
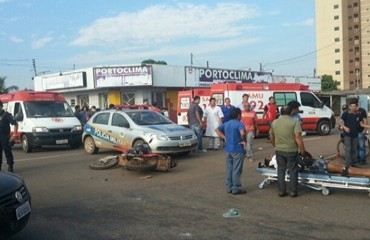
(52, 156)
(309, 139)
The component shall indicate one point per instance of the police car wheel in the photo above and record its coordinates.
(89, 145)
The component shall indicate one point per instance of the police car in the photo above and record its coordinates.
(122, 129)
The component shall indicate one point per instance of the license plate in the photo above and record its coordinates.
(184, 143)
(23, 210)
(62, 141)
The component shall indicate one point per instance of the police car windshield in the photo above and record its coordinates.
(45, 109)
(148, 118)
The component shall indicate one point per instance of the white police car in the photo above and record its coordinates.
(122, 129)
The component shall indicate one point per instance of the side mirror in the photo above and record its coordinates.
(19, 117)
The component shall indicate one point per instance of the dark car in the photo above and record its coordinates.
(15, 204)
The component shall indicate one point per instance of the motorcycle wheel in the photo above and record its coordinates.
(104, 163)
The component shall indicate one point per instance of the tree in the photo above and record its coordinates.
(328, 83)
(4, 89)
(151, 61)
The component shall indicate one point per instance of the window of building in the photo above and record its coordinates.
(336, 39)
(349, 6)
(336, 6)
(337, 50)
(337, 61)
(351, 61)
(349, 28)
(128, 98)
(351, 49)
(355, 4)
(337, 72)
(336, 17)
(350, 39)
(336, 29)
(350, 72)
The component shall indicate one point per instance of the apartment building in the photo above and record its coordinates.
(343, 41)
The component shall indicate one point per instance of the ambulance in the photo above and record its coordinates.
(44, 118)
(185, 99)
(316, 117)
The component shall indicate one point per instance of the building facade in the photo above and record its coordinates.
(343, 41)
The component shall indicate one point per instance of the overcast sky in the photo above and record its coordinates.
(61, 35)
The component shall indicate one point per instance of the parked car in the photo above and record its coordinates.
(15, 204)
(122, 129)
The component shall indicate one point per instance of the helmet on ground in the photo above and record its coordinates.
(142, 148)
(305, 161)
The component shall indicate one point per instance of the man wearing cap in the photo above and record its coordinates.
(5, 140)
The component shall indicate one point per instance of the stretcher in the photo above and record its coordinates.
(318, 181)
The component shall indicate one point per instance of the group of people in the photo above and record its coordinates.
(236, 126)
(353, 123)
(85, 113)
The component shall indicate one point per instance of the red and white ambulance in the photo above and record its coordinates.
(185, 98)
(44, 118)
(315, 115)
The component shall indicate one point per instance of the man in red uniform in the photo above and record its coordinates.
(271, 112)
(249, 119)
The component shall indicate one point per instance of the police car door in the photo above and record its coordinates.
(121, 132)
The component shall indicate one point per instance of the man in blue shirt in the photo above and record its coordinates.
(351, 122)
(226, 110)
(233, 133)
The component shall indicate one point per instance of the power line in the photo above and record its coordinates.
(313, 52)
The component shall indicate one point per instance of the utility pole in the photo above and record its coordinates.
(261, 70)
(34, 66)
(191, 59)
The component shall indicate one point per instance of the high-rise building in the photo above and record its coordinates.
(343, 41)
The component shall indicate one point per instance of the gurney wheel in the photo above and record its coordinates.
(260, 186)
(325, 191)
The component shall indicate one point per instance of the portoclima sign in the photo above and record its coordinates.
(123, 76)
(196, 76)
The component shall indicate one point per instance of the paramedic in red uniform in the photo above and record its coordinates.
(270, 112)
(249, 119)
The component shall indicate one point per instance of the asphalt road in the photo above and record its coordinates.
(71, 201)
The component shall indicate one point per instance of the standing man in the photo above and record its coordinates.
(213, 117)
(270, 112)
(244, 100)
(195, 121)
(232, 132)
(361, 135)
(226, 110)
(249, 119)
(285, 136)
(351, 122)
(5, 120)
(294, 105)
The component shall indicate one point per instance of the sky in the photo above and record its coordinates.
(62, 35)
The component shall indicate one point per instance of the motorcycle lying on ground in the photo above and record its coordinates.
(138, 158)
